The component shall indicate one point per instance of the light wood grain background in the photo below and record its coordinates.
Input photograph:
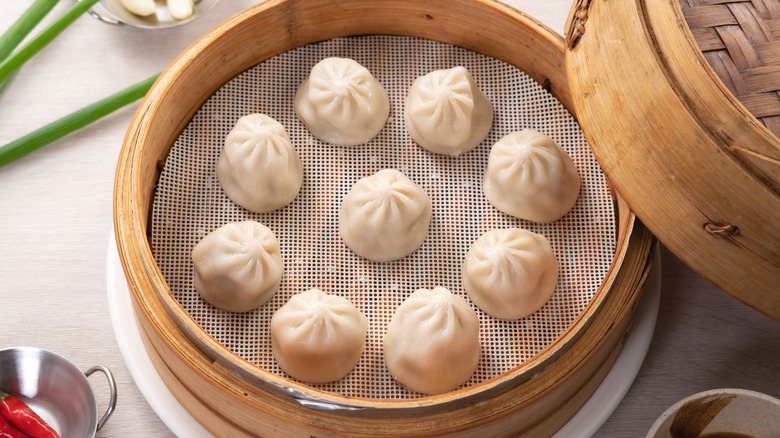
(55, 217)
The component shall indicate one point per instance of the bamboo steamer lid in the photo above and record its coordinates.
(680, 104)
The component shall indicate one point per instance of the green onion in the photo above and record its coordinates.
(72, 122)
(28, 50)
(24, 25)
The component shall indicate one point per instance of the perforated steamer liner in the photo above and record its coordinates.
(189, 202)
(228, 393)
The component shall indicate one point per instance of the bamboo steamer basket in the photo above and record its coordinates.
(682, 110)
(232, 397)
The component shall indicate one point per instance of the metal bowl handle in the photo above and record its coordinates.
(112, 393)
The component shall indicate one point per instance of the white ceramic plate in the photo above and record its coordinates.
(584, 424)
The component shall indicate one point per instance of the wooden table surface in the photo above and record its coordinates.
(55, 219)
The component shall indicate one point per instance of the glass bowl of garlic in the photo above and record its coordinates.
(150, 14)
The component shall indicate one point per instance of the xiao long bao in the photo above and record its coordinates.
(238, 266)
(318, 337)
(341, 102)
(446, 112)
(258, 168)
(531, 177)
(432, 342)
(510, 273)
(385, 216)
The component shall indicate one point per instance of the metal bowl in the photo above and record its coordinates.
(112, 11)
(55, 389)
(723, 412)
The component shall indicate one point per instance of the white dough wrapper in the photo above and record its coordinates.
(432, 342)
(318, 337)
(258, 167)
(341, 102)
(447, 113)
(531, 177)
(510, 273)
(385, 216)
(238, 266)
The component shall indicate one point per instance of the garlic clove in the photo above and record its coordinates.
(143, 8)
(180, 9)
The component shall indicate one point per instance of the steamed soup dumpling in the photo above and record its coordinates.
(385, 216)
(258, 168)
(447, 113)
(341, 102)
(531, 177)
(318, 337)
(510, 273)
(432, 342)
(238, 266)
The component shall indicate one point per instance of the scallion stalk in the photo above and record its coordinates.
(29, 49)
(72, 122)
(24, 25)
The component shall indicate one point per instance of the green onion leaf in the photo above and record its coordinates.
(28, 50)
(24, 25)
(72, 122)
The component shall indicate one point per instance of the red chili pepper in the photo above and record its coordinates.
(23, 418)
(7, 430)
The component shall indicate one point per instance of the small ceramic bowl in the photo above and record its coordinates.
(55, 389)
(112, 11)
(735, 413)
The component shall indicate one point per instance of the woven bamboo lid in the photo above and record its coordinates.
(741, 42)
(680, 104)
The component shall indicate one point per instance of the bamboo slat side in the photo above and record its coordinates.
(741, 41)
